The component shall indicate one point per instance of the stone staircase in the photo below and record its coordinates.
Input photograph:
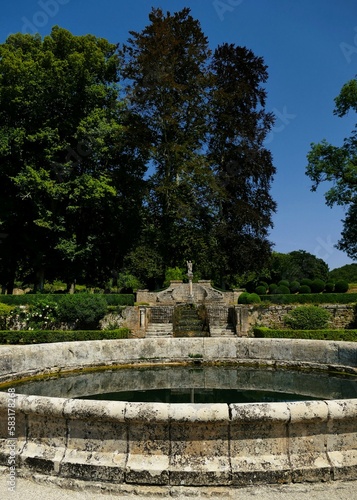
(159, 330)
(222, 330)
(188, 322)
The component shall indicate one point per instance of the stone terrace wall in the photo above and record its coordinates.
(273, 316)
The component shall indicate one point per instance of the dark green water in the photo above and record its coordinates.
(189, 384)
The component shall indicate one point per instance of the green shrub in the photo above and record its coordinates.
(317, 286)
(119, 299)
(281, 289)
(5, 311)
(306, 281)
(304, 289)
(341, 286)
(253, 298)
(307, 318)
(128, 282)
(115, 299)
(242, 299)
(334, 335)
(294, 287)
(273, 287)
(173, 273)
(264, 284)
(283, 283)
(48, 336)
(261, 290)
(84, 310)
(312, 298)
(329, 287)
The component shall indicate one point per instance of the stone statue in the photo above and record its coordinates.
(189, 267)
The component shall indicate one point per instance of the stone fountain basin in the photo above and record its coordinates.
(180, 444)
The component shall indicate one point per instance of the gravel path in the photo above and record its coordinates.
(44, 488)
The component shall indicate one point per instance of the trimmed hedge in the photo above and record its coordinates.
(49, 336)
(313, 298)
(115, 299)
(336, 335)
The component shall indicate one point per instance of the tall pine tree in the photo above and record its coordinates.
(166, 66)
(243, 166)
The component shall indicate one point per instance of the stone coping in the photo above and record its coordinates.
(180, 444)
(25, 360)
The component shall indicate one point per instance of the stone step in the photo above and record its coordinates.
(225, 330)
(159, 330)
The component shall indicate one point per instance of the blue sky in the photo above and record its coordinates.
(310, 47)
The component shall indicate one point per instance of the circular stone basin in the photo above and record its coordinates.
(164, 443)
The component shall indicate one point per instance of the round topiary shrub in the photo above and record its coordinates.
(317, 286)
(261, 290)
(329, 287)
(281, 289)
(304, 289)
(341, 286)
(253, 298)
(294, 287)
(307, 318)
(242, 299)
(283, 283)
(273, 287)
(306, 281)
(263, 283)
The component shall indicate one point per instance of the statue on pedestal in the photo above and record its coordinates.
(189, 267)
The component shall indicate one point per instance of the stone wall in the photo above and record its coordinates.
(176, 444)
(273, 316)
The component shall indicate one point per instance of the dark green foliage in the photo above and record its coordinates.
(337, 166)
(341, 286)
(84, 310)
(45, 336)
(333, 335)
(273, 287)
(5, 311)
(313, 298)
(281, 289)
(306, 281)
(294, 287)
(264, 284)
(261, 290)
(120, 299)
(238, 124)
(347, 273)
(253, 298)
(329, 287)
(283, 283)
(307, 318)
(317, 286)
(297, 265)
(305, 289)
(242, 299)
(67, 167)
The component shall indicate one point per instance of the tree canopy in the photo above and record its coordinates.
(132, 159)
(337, 165)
